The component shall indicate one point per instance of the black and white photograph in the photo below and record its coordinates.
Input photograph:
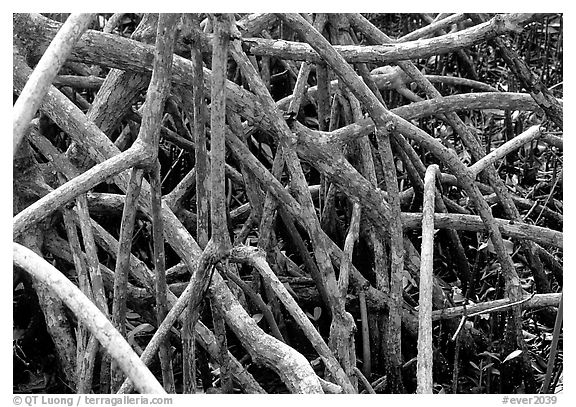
(287, 203)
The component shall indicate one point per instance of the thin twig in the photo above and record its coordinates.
(201, 154)
(517, 142)
(160, 274)
(553, 349)
(219, 224)
(160, 82)
(348, 250)
(217, 124)
(84, 370)
(364, 381)
(366, 358)
(432, 28)
(488, 310)
(254, 296)
(425, 351)
(123, 261)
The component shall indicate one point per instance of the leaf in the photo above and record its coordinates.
(512, 181)
(483, 246)
(528, 336)
(311, 122)
(474, 365)
(513, 355)
(317, 313)
(490, 354)
(142, 328)
(537, 368)
(457, 296)
(267, 150)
